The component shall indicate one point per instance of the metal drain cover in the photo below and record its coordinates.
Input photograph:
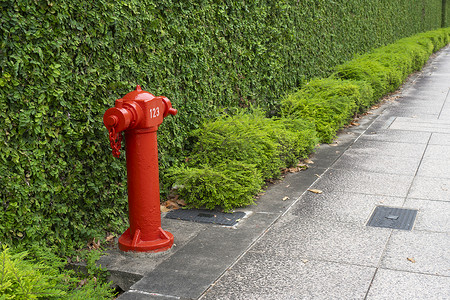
(392, 217)
(206, 216)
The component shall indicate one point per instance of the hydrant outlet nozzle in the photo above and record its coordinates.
(173, 111)
(111, 121)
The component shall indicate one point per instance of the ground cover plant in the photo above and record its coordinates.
(40, 274)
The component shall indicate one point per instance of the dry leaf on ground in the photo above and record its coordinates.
(411, 259)
(164, 209)
(315, 191)
(181, 202)
(94, 245)
(171, 204)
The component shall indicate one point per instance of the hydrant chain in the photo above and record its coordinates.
(115, 140)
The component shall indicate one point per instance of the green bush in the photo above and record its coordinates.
(328, 103)
(234, 154)
(44, 277)
(268, 144)
(228, 185)
(387, 67)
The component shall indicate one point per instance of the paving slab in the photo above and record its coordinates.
(321, 239)
(354, 181)
(431, 188)
(440, 139)
(378, 162)
(432, 216)
(391, 284)
(434, 167)
(259, 276)
(438, 152)
(342, 206)
(387, 148)
(419, 124)
(400, 136)
(416, 251)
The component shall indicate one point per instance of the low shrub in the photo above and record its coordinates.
(387, 67)
(228, 185)
(269, 144)
(232, 156)
(328, 103)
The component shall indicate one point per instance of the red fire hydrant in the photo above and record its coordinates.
(139, 114)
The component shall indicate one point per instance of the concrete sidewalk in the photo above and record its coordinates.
(318, 246)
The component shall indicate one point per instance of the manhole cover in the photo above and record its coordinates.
(392, 217)
(206, 216)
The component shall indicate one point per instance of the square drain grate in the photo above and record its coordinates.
(206, 216)
(392, 217)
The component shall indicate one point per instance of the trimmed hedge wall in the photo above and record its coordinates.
(317, 110)
(63, 63)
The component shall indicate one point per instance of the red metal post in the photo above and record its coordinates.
(139, 114)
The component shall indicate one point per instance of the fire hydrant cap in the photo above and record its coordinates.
(138, 94)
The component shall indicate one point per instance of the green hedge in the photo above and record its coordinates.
(233, 155)
(320, 108)
(63, 63)
(268, 144)
(387, 67)
(328, 103)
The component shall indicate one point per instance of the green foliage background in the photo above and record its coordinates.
(63, 63)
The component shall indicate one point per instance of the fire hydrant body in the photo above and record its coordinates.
(139, 114)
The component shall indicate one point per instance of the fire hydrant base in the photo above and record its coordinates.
(127, 242)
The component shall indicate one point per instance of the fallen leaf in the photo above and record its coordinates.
(315, 191)
(181, 202)
(285, 198)
(164, 209)
(171, 204)
(109, 238)
(302, 166)
(334, 145)
(355, 124)
(305, 261)
(411, 259)
(82, 282)
(308, 161)
(94, 245)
